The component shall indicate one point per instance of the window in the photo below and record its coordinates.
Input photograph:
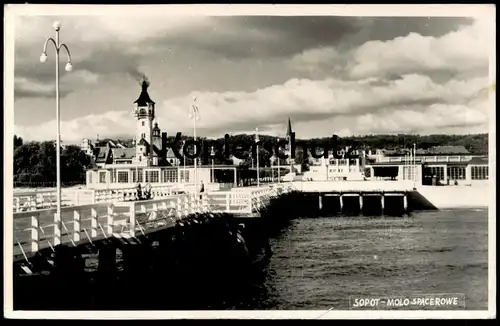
(409, 173)
(479, 172)
(122, 176)
(113, 176)
(89, 176)
(102, 177)
(143, 135)
(152, 176)
(184, 176)
(137, 175)
(143, 123)
(437, 171)
(170, 175)
(456, 173)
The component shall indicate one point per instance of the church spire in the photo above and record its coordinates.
(289, 128)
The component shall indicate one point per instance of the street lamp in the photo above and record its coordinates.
(194, 114)
(68, 67)
(257, 149)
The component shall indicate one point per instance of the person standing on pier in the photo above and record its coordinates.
(138, 187)
(147, 191)
(202, 188)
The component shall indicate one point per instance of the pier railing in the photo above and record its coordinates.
(44, 199)
(39, 229)
(353, 186)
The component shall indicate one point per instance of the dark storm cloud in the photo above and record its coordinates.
(275, 36)
(236, 38)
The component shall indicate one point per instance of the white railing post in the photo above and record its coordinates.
(179, 207)
(77, 198)
(17, 204)
(205, 203)
(110, 219)
(77, 227)
(228, 201)
(94, 192)
(93, 222)
(132, 220)
(154, 212)
(57, 228)
(187, 200)
(35, 235)
(250, 202)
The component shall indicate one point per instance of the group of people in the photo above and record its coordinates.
(144, 193)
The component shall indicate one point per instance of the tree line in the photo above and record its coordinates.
(35, 163)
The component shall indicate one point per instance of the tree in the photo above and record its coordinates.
(18, 141)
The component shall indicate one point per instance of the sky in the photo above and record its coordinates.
(329, 74)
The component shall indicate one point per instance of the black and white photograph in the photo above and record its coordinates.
(249, 161)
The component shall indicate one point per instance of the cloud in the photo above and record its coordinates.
(25, 87)
(403, 104)
(464, 50)
(339, 75)
(460, 53)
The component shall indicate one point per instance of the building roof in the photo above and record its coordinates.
(479, 160)
(144, 98)
(101, 154)
(123, 153)
(289, 128)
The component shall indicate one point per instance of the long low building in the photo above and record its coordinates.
(442, 168)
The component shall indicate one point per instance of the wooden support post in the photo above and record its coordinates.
(341, 199)
(405, 202)
(361, 203)
(320, 202)
(107, 260)
(382, 202)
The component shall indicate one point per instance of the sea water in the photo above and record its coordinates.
(319, 262)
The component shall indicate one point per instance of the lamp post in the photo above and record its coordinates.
(184, 162)
(278, 154)
(212, 152)
(257, 150)
(272, 168)
(69, 67)
(414, 164)
(195, 115)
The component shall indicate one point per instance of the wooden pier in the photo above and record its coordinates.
(38, 232)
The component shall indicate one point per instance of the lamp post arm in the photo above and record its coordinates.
(67, 51)
(50, 39)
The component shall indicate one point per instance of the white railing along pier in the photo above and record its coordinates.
(35, 230)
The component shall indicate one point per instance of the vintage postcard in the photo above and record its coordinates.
(250, 161)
